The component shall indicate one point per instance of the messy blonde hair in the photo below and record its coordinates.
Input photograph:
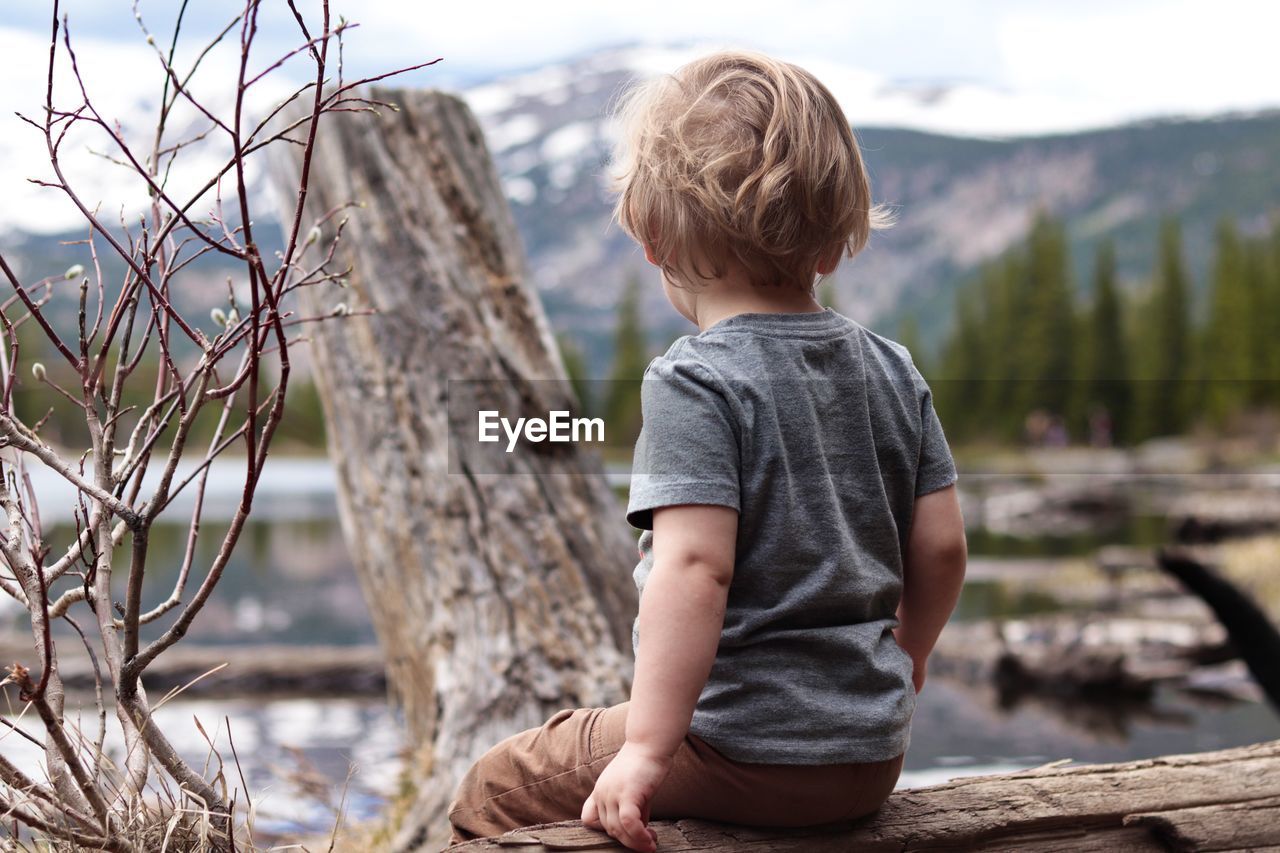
(739, 156)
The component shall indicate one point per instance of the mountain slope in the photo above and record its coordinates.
(959, 199)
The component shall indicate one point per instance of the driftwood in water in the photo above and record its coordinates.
(1077, 672)
(1228, 800)
(1254, 637)
(499, 585)
(258, 670)
(1201, 517)
(1079, 657)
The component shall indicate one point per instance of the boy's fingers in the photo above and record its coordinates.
(634, 833)
(590, 816)
(606, 819)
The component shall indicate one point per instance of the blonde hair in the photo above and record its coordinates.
(741, 156)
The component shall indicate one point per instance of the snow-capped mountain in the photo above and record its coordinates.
(88, 156)
(965, 166)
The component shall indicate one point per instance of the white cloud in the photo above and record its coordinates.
(1145, 58)
(1024, 65)
(1123, 56)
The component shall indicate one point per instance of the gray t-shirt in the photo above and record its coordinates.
(821, 434)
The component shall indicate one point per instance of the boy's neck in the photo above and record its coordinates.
(720, 301)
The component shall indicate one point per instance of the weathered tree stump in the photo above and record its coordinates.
(1227, 800)
(499, 585)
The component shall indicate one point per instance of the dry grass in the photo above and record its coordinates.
(1254, 563)
(165, 820)
(376, 834)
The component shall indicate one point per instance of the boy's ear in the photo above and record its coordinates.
(648, 254)
(827, 263)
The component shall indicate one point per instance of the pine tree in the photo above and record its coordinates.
(1018, 334)
(1163, 401)
(1226, 348)
(909, 337)
(1046, 332)
(575, 365)
(1106, 360)
(1270, 315)
(630, 358)
(1259, 325)
(959, 392)
(996, 343)
(827, 294)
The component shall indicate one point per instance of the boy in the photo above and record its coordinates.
(802, 545)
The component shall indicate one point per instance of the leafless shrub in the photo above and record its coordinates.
(135, 334)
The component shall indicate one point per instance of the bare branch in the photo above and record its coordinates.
(245, 365)
(53, 725)
(16, 436)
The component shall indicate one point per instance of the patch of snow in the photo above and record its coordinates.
(516, 130)
(651, 60)
(562, 175)
(490, 99)
(610, 129)
(537, 84)
(556, 97)
(520, 161)
(569, 141)
(552, 84)
(520, 190)
(34, 209)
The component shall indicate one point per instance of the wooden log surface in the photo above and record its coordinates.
(1250, 825)
(1225, 800)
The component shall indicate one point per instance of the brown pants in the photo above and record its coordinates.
(544, 774)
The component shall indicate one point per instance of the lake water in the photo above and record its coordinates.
(291, 581)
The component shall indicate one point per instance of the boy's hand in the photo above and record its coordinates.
(919, 660)
(619, 805)
(919, 669)
(932, 574)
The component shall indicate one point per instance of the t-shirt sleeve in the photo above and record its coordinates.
(687, 451)
(936, 469)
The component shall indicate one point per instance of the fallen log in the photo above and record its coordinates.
(1226, 800)
(1201, 517)
(265, 670)
(1076, 673)
(1080, 657)
(274, 669)
(1246, 623)
(1056, 508)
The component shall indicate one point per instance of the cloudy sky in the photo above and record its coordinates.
(1153, 55)
(1018, 66)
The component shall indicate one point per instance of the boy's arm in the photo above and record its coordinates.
(681, 616)
(932, 574)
